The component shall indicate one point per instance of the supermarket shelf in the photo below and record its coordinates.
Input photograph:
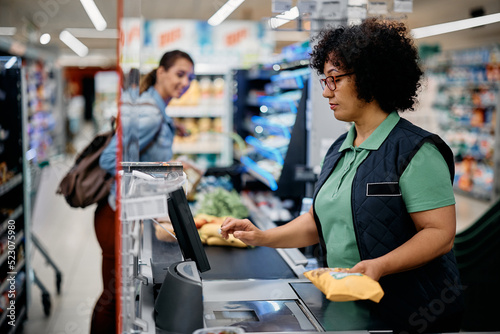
(260, 174)
(267, 152)
(19, 318)
(5, 283)
(13, 216)
(3, 257)
(197, 111)
(467, 99)
(273, 128)
(198, 148)
(6, 187)
(472, 194)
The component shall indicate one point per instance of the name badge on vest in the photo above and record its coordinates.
(383, 189)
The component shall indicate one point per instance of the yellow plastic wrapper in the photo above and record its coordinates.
(340, 286)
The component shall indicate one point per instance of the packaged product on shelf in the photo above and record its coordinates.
(217, 125)
(218, 90)
(191, 126)
(206, 90)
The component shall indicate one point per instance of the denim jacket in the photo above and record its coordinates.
(144, 121)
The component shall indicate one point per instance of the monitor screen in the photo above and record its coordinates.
(185, 230)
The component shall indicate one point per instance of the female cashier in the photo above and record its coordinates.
(154, 132)
(383, 204)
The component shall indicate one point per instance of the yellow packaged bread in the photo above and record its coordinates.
(162, 234)
(209, 235)
(341, 286)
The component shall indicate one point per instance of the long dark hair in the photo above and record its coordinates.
(167, 61)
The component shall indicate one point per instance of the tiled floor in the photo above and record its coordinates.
(68, 235)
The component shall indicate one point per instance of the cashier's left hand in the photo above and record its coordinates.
(369, 268)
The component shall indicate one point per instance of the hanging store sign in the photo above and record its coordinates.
(130, 42)
(233, 42)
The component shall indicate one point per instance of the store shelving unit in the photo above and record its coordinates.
(14, 198)
(205, 112)
(467, 103)
(41, 95)
(267, 106)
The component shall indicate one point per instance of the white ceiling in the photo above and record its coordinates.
(31, 18)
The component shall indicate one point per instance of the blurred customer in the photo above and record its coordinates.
(151, 136)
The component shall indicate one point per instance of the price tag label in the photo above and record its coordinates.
(280, 6)
(356, 13)
(145, 207)
(378, 8)
(403, 6)
(357, 2)
(307, 6)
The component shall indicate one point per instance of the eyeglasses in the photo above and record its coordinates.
(331, 81)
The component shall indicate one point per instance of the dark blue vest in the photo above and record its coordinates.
(382, 223)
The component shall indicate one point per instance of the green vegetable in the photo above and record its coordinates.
(221, 203)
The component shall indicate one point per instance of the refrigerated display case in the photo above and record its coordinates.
(270, 111)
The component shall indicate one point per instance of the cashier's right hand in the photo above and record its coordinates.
(242, 229)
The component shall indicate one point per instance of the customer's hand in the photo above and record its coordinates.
(371, 268)
(242, 229)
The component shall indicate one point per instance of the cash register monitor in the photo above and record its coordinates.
(179, 304)
(185, 230)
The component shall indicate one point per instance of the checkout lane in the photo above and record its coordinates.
(252, 288)
(259, 289)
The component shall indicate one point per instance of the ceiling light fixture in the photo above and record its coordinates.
(94, 14)
(7, 31)
(73, 43)
(444, 28)
(45, 39)
(283, 18)
(224, 12)
(10, 62)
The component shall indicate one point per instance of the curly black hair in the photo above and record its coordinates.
(381, 54)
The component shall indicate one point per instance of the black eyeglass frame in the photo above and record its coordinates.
(324, 82)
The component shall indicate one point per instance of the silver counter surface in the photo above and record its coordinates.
(258, 305)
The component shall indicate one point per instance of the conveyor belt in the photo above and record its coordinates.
(225, 262)
(245, 263)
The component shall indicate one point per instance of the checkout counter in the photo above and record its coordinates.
(261, 290)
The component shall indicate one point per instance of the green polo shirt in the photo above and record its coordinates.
(424, 185)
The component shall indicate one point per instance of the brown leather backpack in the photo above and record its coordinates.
(86, 182)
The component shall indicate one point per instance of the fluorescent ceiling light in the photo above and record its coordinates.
(94, 14)
(92, 33)
(224, 12)
(45, 39)
(10, 62)
(281, 19)
(7, 31)
(444, 28)
(73, 43)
